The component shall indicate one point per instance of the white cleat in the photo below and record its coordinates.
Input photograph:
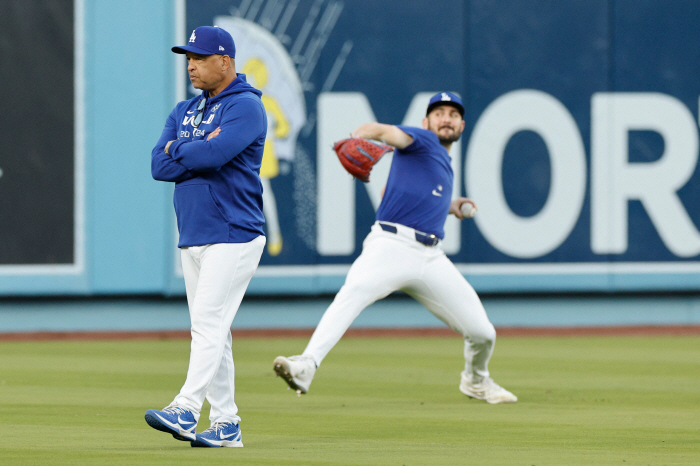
(487, 390)
(297, 371)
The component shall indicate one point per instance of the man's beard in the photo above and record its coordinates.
(445, 140)
(450, 139)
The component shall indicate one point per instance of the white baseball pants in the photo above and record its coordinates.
(396, 261)
(216, 278)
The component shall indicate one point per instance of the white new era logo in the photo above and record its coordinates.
(221, 48)
(193, 37)
(444, 95)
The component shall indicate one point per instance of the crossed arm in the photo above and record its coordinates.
(163, 167)
(178, 160)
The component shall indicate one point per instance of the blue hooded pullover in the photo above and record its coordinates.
(218, 193)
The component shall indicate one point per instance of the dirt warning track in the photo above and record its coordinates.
(362, 333)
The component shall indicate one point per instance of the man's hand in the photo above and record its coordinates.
(214, 133)
(456, 206)
(167, 146)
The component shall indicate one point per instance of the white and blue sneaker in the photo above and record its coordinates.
(220, 434)
(179, 422)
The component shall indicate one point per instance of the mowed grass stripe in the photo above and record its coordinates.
(583, 400)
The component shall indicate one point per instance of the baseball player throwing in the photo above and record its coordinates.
(402, 252)
(212, 148)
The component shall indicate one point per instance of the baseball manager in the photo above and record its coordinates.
(212, 148)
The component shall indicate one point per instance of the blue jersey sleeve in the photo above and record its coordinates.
(242, 123)
(163, 167)
(420, 140)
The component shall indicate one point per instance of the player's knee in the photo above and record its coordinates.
(484, 335)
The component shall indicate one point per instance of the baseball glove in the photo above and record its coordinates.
(358, 156)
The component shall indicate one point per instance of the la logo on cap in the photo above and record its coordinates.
(444, 95)
(193, 37)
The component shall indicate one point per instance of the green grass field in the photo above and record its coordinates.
(588, 401)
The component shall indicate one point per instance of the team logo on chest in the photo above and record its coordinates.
(189, 120)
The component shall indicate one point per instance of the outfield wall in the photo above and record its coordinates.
(581, 146)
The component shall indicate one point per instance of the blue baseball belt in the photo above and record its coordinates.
(424, 238)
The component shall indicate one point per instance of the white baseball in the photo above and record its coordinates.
(468, 210)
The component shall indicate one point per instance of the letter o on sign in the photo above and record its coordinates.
(526, 110)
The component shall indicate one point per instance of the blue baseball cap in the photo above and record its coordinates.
(209, 40)
(445, 98)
